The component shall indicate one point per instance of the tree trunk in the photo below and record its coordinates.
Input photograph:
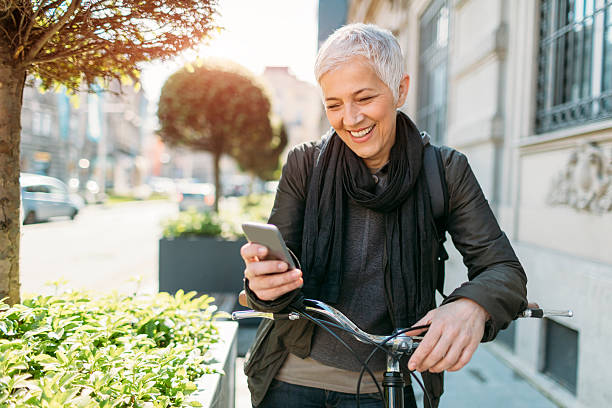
(12, 81)
(218, 191)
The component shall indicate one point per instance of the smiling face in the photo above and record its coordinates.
(361, 109)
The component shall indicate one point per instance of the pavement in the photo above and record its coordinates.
(485, 382)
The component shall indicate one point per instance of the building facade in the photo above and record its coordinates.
(99, 136)
(524, 89)
(297, 103)
(43, 145)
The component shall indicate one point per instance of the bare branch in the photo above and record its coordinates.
(23, 14)
(50, 32)
(10, 39)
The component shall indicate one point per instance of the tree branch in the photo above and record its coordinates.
(31, 24)
(19, 29)
(50, 32)
(73, 52)
(8, 37)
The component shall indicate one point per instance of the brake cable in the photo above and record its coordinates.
(319, 323)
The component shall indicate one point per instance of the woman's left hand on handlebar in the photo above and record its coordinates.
(455, 331)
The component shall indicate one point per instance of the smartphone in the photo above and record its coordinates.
(269, 236)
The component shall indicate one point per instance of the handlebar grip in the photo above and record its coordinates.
(247, 314)
(540, 313)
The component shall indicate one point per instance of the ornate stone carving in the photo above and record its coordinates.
(586, 181)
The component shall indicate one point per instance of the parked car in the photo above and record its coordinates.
(44, 197)
(200, 196)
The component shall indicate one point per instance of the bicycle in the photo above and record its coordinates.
(396, 345)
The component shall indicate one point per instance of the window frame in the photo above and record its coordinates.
(573, 90)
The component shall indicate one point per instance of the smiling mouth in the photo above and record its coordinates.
(362, 133)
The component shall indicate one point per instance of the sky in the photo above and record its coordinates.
(256, 34)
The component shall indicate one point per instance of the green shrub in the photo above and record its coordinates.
(192, 223)
(252, 208)
(115, 351)
(257, 207)
(227, 224)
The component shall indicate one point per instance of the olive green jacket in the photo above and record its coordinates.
(496, 280)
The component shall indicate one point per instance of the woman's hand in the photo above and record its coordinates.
(268, 279)
(455, 332)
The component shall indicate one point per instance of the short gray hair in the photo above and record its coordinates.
(378, 45)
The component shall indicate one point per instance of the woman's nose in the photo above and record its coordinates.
(352, 115)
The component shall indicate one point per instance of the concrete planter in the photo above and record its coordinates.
(219, 390)
(204, 264)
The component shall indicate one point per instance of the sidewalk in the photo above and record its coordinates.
(488, 382)
(484, 382)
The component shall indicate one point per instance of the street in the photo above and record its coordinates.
(100, 250)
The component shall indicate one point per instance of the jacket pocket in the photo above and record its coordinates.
(256, 350)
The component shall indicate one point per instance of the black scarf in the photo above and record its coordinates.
(410, 235)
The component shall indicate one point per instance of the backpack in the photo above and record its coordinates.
(438, 191)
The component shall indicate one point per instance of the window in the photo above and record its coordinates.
(574, 63)
(433, 62)
(36, 122)
(56, 190)
(46, 124)
(41, 123)
(561, 359)
(37, 189)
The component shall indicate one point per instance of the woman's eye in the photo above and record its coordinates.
(331, 106)
(367, 98)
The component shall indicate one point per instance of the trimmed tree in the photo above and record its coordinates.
(75, 43)
(217, 107)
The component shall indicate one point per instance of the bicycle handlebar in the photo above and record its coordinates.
(409, 342)
(401, 342)
(394, 346)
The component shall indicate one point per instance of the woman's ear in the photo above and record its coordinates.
(403, 90)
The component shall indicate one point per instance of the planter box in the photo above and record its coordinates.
(204, 264)
(219, 390)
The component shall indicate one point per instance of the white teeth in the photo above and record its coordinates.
(361, 133)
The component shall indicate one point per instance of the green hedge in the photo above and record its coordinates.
(227, 224)
(192, 223)
(72, 350)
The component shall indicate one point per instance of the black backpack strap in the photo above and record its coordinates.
(434, 181)
(438, 191)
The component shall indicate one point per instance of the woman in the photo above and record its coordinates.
(355, 210)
